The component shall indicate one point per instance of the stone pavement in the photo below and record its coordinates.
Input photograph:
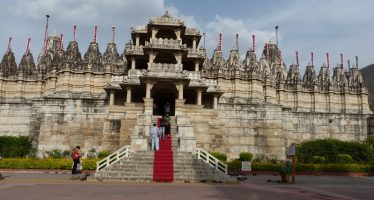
(36, 186)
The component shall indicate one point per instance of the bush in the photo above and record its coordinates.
(318, 159)
(13, 147)
(58, 153)
(260, 158)
(257, 166)
(234, 165)
(103, 154)
(220, 156)
(245, 156)
(301, 167)
(46, 163)
(344, 158)
(370, 141)
(329, 148)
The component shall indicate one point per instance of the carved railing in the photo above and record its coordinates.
(134, 50)
(211, 160)
(195, 53)
(113, 158)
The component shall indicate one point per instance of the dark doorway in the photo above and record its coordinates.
(163, 93)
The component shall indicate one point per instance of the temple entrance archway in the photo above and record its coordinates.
(163, 93)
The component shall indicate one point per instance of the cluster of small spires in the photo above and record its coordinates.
(271, 69)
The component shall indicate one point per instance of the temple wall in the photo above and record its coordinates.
(71, 108)
(65, 123)
(268, 129)
(15, 119)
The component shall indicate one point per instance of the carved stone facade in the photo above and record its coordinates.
(232, 106)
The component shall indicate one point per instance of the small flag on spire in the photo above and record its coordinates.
(220, 41)
(28, 45)
(237, 42)
(46, 35)
(9, 43)
(254, 42)
(204, 39)
(61, 35)
(297, 58)
(113, 33)
(74, 33)
(95, 31)
(341, 60)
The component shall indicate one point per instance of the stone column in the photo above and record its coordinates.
(178, 33)
(137, 40)
(154, 32)
(180, 91)
(196, 65)
(132, 63)
(178, 57)
(128, 95)
(151, 58)
(199, 93)
(215, 102)
(194, 43)
(148, 90)
(111, 97)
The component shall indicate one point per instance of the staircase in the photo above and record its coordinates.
(138, 166)
(166, 165)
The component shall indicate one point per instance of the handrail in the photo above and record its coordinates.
(211, 160)
(113, 158)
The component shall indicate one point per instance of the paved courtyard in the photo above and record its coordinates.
(32, 186)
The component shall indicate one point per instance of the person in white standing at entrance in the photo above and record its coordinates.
(167, 108)
(155, 132)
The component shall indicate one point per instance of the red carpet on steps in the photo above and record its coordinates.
(163, 168)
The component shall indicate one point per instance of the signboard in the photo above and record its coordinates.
(291, 151)
(246, 165)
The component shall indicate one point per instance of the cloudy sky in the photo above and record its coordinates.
(319, 26)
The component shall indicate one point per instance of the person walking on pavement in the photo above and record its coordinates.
(155, 133)
(76, 159)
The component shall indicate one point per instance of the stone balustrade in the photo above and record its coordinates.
(193, 75)
(196, 53)
(134, 50)
(165, 43)
(166, 66)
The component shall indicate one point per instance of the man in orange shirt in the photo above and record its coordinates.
(76, 159)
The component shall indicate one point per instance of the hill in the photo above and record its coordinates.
(368, 76)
